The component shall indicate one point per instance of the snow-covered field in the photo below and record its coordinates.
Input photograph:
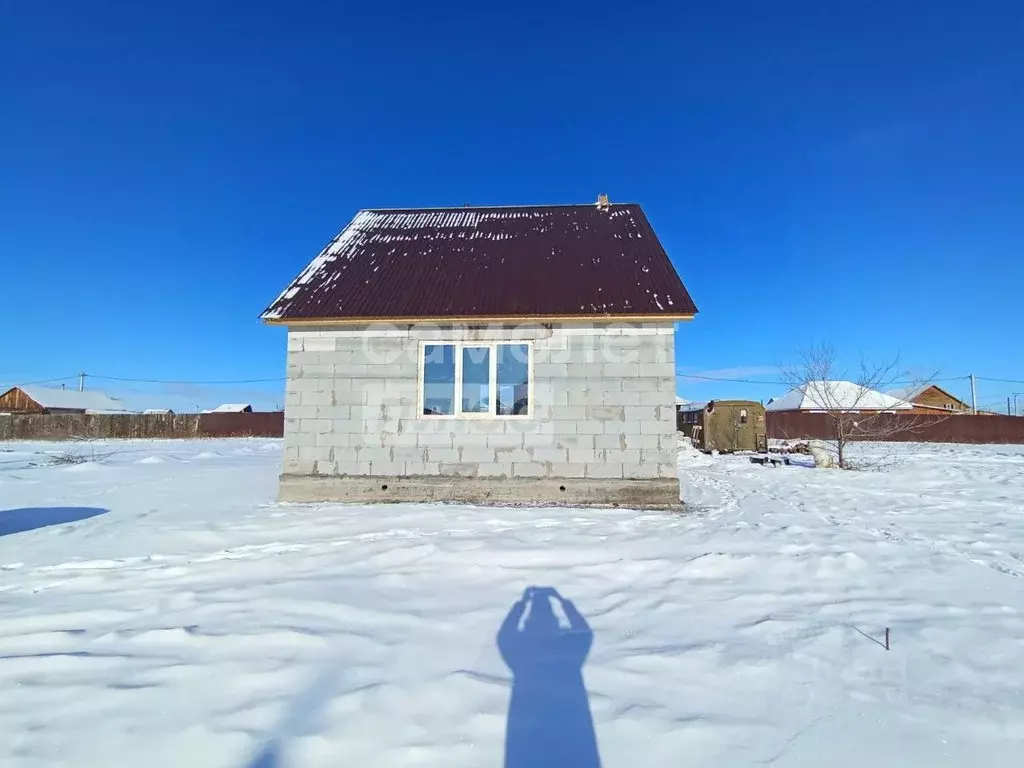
(159, 609)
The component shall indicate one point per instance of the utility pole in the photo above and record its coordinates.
(1008, 413)
(81, 382)
(974, 397)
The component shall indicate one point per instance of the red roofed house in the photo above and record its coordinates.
(484, 354)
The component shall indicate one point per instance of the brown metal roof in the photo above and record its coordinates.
(511, 262)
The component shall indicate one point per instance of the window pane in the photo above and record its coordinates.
(438, 380)
(514, 380)
(476, 376)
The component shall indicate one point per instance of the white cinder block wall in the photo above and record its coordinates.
(603, 404)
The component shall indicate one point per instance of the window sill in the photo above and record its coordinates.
(474, 417)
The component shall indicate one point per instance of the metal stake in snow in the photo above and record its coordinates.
(887, 638)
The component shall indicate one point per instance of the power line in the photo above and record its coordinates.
(45, 381)
(1004, 381)
(736, 381)
(786, 383)
(182, 381)
(702, 377)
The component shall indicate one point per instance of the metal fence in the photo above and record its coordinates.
(32, 426)
(924, 428)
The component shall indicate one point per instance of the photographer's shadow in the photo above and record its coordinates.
(549, 721)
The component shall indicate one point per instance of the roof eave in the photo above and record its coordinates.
(476, 320)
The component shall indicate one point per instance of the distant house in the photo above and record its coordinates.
(511, 354)
(929, 398)
(819, 396)
(158, 412)
(35, 399)
(231, 408)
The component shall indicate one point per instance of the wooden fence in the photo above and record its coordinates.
(790, 425)
(132, 425)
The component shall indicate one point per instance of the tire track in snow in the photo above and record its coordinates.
(703, 479)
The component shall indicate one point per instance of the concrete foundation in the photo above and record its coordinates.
(653, 493)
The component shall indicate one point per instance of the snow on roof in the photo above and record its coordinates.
(831, 395)
(231, 408)
(488, 262)
(89, 401)
(689, 405)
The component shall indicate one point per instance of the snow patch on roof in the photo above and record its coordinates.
(346, 241)
(231, 408)
(688, 405)
(71, 399)
(833, 395)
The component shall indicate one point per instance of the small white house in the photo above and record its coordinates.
(484, 354)
(231, 408)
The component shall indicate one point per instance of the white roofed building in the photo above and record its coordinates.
(231, 408)
(35, 399)
(837, 395)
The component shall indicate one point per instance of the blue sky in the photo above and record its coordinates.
(843, 171)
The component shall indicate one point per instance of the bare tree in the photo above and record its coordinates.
(84, 450)
(78, 456)
(852, 406)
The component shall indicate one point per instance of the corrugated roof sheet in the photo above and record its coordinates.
(71, 399)
(536, 261)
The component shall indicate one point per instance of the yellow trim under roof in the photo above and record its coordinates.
(518, 319)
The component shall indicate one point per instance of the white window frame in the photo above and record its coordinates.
(492, 386)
